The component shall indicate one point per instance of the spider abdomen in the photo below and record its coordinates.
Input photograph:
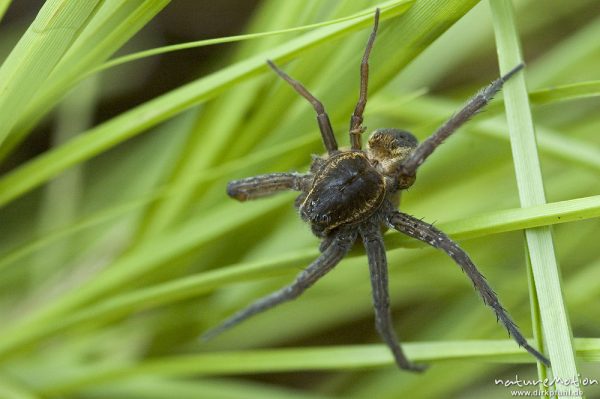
(346, 190)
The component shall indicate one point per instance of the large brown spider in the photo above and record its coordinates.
(354, 193)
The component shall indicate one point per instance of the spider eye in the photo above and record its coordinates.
(389, 147)
(392, 139)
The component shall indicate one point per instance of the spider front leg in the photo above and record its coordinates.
(373, 243)
(322, 117)
(409, 166)
(265, 185)
(356, 127)
(425, 232)
(330, 257)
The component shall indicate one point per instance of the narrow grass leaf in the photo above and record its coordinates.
(566, 92)
(568, 53)
(41, 48)
(295, 359)
(115, 22)
(210, 42)
(524, 218)
(3, 7)
(9, 389)
(546, 275)
(169, 388)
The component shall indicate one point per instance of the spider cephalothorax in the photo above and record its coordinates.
(354, 194)
(345, 190)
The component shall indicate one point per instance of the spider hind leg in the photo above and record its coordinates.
(373, 242)
(425, 232)
(330, 257)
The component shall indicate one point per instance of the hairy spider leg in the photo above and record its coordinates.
(264, 185)
(330, 257)
(356, 128)
(474, 105)
(425, 232)
(322, 117)
(373, 242)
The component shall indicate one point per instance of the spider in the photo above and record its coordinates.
(353, 194)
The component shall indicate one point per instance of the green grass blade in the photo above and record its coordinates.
(11, 390)
(555, 323)
(524, 218)
(569, 53)
(566, 92)
(41, 48)
(51, 237)
(169, 388)
(295, 359)
(63, 196)
(210, 42)
(3, 7)
(114, 23)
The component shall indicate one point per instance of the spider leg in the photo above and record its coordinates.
(264, 185)
(425, 232)
(326, 242)
(322, 117)
(323, 264)
(475, 104)
(356, 128)
(373, 243)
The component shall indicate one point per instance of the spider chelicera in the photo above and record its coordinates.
(352, 194)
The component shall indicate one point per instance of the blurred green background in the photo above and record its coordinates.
(119, 247)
